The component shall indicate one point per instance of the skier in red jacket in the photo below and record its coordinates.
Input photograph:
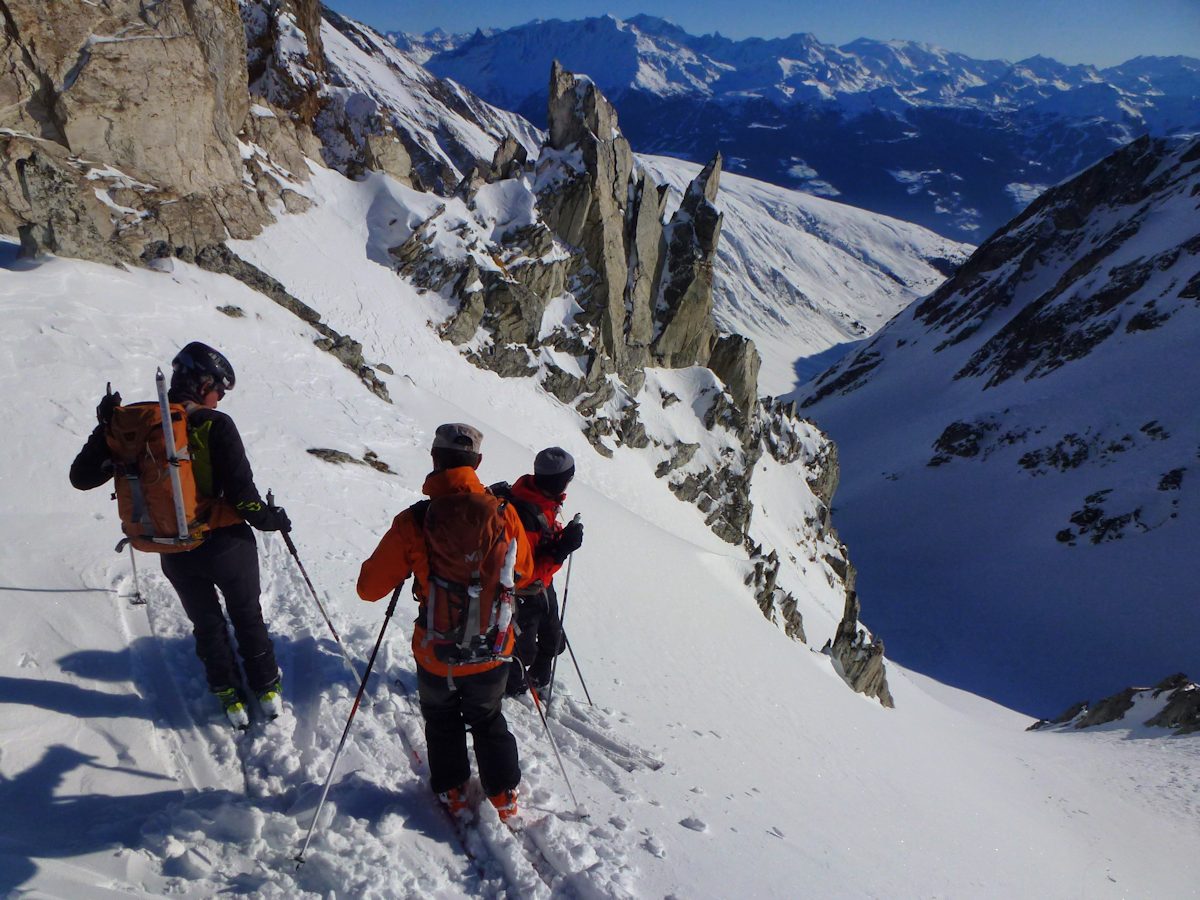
(538, 499)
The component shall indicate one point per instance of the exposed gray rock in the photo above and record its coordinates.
(736, 361)
(686, 330)
(630, 429)
(602, 394)
(859, 657)
(1181, 711)
(590, 212)
(386, 152)
(157, 89)
(61, 218)
(509, 159)
(680, 457)
(506, 360)
(595, 431)
(646, 254)
(777, 605)
(563, 385)
(338, 457)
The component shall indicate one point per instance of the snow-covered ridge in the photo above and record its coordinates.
(1051, 381)
(789, 69)
(835, 121)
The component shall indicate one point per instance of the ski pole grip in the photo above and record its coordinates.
(392, 605)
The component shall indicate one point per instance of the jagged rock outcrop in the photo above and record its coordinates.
(859, 656)
(736, 361)
(686, 328)
(587, 210)
(646, 255)
(776, 604)
(1175, 701)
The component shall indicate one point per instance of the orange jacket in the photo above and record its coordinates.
(402, 552)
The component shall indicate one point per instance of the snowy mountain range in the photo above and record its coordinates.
(1028, 434)
(379, 251)
(956, 144)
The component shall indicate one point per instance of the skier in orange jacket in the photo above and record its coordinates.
(459, 689)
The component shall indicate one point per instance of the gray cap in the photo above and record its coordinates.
(457, 436)
(553, 461)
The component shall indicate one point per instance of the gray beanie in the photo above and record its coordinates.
(553, 461)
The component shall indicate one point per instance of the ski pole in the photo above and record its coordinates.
(346, 731)
(537, 701)
(562, 617)
(287, 539)
(138, 599)
(577, 672)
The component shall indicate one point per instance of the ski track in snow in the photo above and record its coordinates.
(380, 793)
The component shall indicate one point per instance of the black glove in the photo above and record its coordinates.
(104, 409)
(569, 540)
(272, 518)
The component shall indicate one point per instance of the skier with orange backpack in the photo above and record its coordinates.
(467, 551)
(194, 471)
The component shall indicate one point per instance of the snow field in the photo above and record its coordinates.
(723, 760)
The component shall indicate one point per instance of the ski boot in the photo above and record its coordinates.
(455, 801)
(270, 700)
(235, 707)
(506, 805)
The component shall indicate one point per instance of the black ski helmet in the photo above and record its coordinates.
(197, 363)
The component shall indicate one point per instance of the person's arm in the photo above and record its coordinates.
(93, 465)
(393, 561)
(232, 476)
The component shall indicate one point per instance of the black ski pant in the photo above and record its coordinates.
(473, 703)
(539, 639)
(227, 561)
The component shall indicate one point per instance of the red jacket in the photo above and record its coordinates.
(544, 565)
(402, 552)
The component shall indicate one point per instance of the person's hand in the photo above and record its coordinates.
(569, 540)
(274, 518)
(104, 409)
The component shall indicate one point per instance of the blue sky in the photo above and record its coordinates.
(1102, 32)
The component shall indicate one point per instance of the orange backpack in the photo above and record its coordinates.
(155, 489)
(467, 610)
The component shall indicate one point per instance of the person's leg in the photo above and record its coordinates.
(549, 640)
(235, 570)
(495, 747)
(445, 732)
(199, 599)
(529, 614)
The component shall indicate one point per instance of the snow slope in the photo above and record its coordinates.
(723, 760)
(1019, 450)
